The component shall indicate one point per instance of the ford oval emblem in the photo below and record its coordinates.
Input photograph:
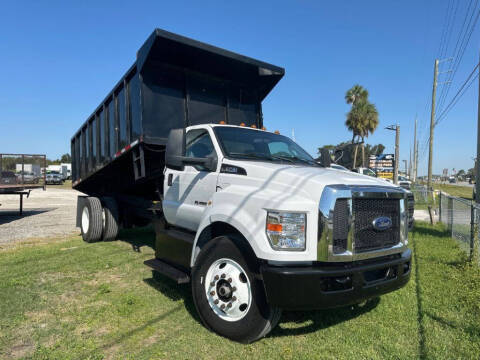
(382, 223)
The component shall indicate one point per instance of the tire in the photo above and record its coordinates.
(91, 220)
(109, 219)
(249, 317)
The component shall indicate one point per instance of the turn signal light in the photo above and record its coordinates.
(275, 227)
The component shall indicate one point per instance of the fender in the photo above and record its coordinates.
(218, 214)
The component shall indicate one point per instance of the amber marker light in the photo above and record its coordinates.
(275, 227)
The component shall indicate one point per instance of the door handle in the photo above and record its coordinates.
(170, 179)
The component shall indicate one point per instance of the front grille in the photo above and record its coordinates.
(365, 211)
(341, 214)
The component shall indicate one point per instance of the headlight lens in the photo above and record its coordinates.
(286, 231)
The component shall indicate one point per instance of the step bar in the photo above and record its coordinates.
(168, 270)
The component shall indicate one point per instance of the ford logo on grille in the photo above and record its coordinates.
(382, 223)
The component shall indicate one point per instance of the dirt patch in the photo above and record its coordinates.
(50, 213)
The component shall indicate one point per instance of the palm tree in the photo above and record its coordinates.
(362, 119)
(355, 94)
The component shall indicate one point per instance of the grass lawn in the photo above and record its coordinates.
(465, 192)
(65, 299)
(67, 184)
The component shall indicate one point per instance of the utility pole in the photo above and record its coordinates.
(414, 175)
(416, 161)
(397, 140)
(406, 172)
(432, 125)
(477, 167)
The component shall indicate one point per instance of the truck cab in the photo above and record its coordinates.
(314, 237)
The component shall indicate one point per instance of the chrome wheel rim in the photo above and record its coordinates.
(85, 220)
(228, 290)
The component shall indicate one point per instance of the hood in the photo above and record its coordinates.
(305, 181)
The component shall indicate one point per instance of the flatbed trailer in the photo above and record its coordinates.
(16, 180)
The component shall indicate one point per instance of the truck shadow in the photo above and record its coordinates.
(138, 237)
(291, 322)
(305, 322)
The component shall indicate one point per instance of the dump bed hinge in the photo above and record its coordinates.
(138, 162)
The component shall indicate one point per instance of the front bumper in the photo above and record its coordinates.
(327, 285)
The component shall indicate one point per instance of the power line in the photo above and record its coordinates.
(458, 95)
(465, 39)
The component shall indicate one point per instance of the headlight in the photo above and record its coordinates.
(286, 231)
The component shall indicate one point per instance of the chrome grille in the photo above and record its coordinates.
(341, 214)
(365, 211)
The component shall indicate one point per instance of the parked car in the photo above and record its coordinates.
(8, 178)
(404, 182)
(27, 178)
(452, 180)
(54, 178)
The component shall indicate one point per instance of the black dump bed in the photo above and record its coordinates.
(174, 82)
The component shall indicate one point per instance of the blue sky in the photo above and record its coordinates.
(59, 59)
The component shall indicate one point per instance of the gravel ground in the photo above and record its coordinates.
(45, 213)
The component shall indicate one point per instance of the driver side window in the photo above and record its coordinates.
(199, 145)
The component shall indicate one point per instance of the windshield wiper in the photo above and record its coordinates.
(260, 156)
(295, 158)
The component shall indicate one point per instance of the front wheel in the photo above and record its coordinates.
(228, 296)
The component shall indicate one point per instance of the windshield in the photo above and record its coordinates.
(244, 143)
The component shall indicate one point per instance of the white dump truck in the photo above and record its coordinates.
(246, 216)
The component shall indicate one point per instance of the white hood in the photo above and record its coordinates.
(306, 181)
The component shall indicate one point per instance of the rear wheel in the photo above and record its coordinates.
(109, 219)
(91, 223)
(228, 296)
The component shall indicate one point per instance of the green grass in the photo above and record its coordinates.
(465, 192)
(66, 299)
(67, 184)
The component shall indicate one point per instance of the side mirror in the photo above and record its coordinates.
(175, 151)
(325, 157)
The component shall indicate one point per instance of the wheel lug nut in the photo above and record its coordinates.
(212, 293)
(222, 307)
(234, 288)
(234, 298)
(229, 305)
(212, 283)
(229, 280)
(216, 301)
(216, 277)
(223, 276)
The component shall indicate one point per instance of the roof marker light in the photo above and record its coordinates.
(242, 124)
(253, 126)
(277, 132)
(222, 122)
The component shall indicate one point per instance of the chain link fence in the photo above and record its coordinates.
(462, 218)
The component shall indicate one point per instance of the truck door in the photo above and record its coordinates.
(188, 192)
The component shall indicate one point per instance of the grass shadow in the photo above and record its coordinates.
(173, 291)
(315, 320)
(429, 230)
